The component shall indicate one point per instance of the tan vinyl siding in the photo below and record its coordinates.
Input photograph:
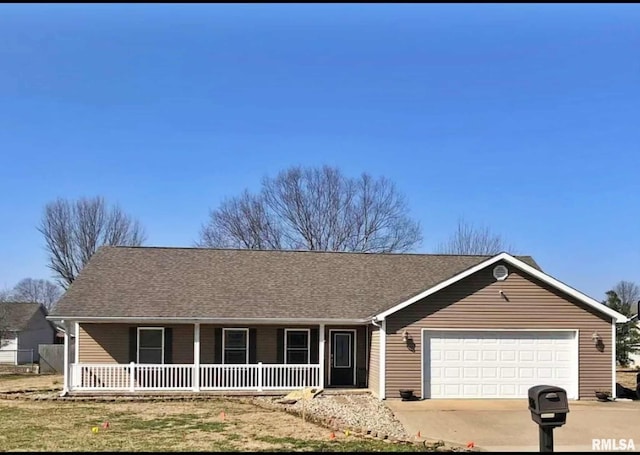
(475, 302)
(103, 343)
(374, 361)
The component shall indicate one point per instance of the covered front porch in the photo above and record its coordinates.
(129, 357)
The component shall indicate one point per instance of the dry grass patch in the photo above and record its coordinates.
(22, 381)
(166, 426)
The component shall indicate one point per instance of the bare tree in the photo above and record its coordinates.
(315, 209)
(629, 294)
(40, 291)
(470, 239)
(74, 230)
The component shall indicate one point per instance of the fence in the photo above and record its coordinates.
(52, 358)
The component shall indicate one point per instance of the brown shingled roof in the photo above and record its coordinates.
(225, 283)
(16, 315)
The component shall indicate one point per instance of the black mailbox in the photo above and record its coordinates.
(548, 405)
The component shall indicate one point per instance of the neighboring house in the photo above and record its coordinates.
(446, 326)
(60, 332)
(24, 327)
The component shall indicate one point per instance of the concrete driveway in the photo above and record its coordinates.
(506, 425)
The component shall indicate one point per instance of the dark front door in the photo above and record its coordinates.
(342, 357)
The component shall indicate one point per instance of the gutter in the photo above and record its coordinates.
(193, 320)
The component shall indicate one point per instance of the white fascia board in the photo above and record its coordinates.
(506, 257)
(169, 320)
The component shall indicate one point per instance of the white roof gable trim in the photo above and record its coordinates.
(619, 318)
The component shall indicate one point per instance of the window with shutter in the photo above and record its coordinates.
(296, 346)
(151, 345)
(235, 346)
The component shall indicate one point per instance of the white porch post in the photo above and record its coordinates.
(383, 360)
(76, 349)
(132, 376)
(65, 384)
(196, 357)
(321, 356)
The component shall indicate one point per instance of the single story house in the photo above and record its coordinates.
(445, 326)
(23, 326)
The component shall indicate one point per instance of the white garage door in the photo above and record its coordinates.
(486, 364)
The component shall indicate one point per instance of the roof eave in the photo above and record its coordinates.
(201, 320)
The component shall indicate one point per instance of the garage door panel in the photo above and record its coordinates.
(490, 372)
(508, 356)
(471, 372)
(452, 373)
(497, 364)
(489, 355)
(545, 356)
(470, 389)
(471, 355)
(545, 373)
(526, 356)
(507, 373)
(452, 355)
(526, 373)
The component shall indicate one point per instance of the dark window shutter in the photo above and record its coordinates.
(168, 345)
(280, 346)
(133, 344)
(217, 345)
(314, 344)
(253, 355)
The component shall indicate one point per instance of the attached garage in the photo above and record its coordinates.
(497, 364)
(493, 331)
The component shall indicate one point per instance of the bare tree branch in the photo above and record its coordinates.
(473, 240)
(315, 209)
(629, 294)
(40, 291)
(73, 232)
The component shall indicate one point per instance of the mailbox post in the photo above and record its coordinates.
(549, 407)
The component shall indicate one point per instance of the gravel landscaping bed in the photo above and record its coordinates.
(356, 412)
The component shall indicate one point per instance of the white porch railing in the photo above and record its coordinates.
(132, 377)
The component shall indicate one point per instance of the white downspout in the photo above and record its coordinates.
(383, 357)
(614, 364)
(321, 355)
(196, 357)
(65, 386)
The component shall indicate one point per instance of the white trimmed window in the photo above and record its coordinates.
(151, 345)
(296, 346)
(235, 346)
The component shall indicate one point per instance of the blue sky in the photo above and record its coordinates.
(521, 117)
